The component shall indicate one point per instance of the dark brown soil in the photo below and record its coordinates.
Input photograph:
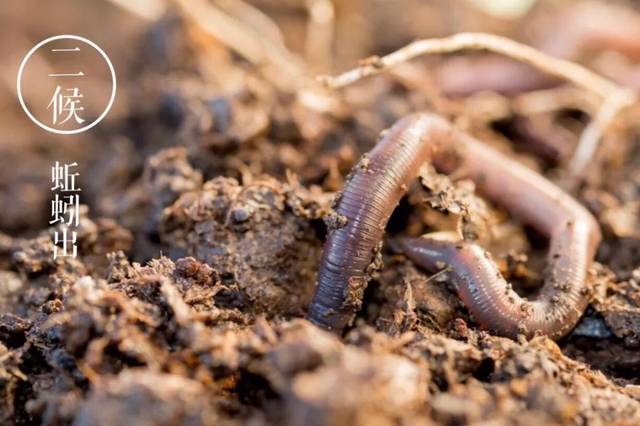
(207, 198)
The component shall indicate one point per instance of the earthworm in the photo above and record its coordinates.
(381, 179)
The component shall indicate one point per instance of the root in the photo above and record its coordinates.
(278, 64)
(479, 41)
(320, 34)
(610, 108)
(615, 98)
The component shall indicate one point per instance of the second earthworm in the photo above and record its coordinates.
(381, 179)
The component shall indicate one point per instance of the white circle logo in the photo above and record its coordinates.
(71, 68)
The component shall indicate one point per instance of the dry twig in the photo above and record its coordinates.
(279, 65)
(592, 134)
(320, 33)
(555, 99)
(616, 98)
(149, 10)
(479, 41)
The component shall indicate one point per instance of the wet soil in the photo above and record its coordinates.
(206, 206)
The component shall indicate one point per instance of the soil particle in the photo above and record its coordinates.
(267, 261)
(432, 304)
(458, 199)
(167, 399)
(168, 174)
(199, 255)
(335, 221)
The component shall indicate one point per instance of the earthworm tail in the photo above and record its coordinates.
(373, 192)
(574, 237)
(368, 199)
(491, 299)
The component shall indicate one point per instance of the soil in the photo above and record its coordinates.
(206, 202)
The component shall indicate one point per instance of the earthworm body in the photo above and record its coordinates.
(382, 178)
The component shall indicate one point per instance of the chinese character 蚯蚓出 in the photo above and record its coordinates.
(65, 209)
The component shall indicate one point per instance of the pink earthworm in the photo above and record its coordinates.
(378, 183)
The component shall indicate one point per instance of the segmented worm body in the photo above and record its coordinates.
(373, 191)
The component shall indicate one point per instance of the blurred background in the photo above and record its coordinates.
(194, 72)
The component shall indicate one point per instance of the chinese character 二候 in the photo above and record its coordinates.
(69, 103)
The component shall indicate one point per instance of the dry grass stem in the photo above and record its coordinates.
(615, 98)
(592, 134)
(278, 64)
(320, 34)
(479, 41)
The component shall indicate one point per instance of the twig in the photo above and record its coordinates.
(479, 41)
(279, 65)
(320, 33)
(591, 135)
(149, 10)
(615, 97)
(254, 17)
(438, 274)
(246, 35)
(555, 99)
